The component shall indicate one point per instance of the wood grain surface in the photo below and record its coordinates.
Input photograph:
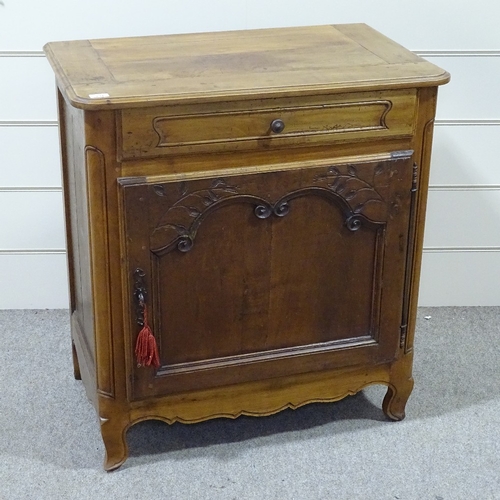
(145, 71)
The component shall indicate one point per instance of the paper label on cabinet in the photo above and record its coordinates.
(99, 96)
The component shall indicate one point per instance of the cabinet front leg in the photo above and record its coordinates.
(396, 398)
(113, 433)
(399, 389)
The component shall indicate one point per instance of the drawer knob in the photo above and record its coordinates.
(277, 126)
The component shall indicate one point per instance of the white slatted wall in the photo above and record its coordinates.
(462, 244)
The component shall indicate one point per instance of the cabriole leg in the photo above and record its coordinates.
(396, 398)
(114, 436)
(399, 388)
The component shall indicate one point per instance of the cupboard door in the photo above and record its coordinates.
(259, 275)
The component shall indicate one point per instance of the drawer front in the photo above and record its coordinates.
(265, 124)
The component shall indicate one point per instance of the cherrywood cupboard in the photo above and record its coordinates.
(244, 215)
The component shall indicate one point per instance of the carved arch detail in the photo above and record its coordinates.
(179, 224)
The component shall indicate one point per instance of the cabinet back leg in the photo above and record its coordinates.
(76, 364)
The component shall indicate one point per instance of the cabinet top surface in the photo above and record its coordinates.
(153, 70)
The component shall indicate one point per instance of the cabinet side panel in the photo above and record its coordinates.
(65, 145)
(77, 230)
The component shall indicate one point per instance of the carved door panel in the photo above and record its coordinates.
(266, 274)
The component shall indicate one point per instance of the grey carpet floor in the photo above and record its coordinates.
(448, 448)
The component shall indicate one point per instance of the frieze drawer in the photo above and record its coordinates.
(266, 124)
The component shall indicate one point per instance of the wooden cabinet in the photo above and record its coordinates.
(249, 206)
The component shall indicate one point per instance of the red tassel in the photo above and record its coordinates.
(146, 349)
